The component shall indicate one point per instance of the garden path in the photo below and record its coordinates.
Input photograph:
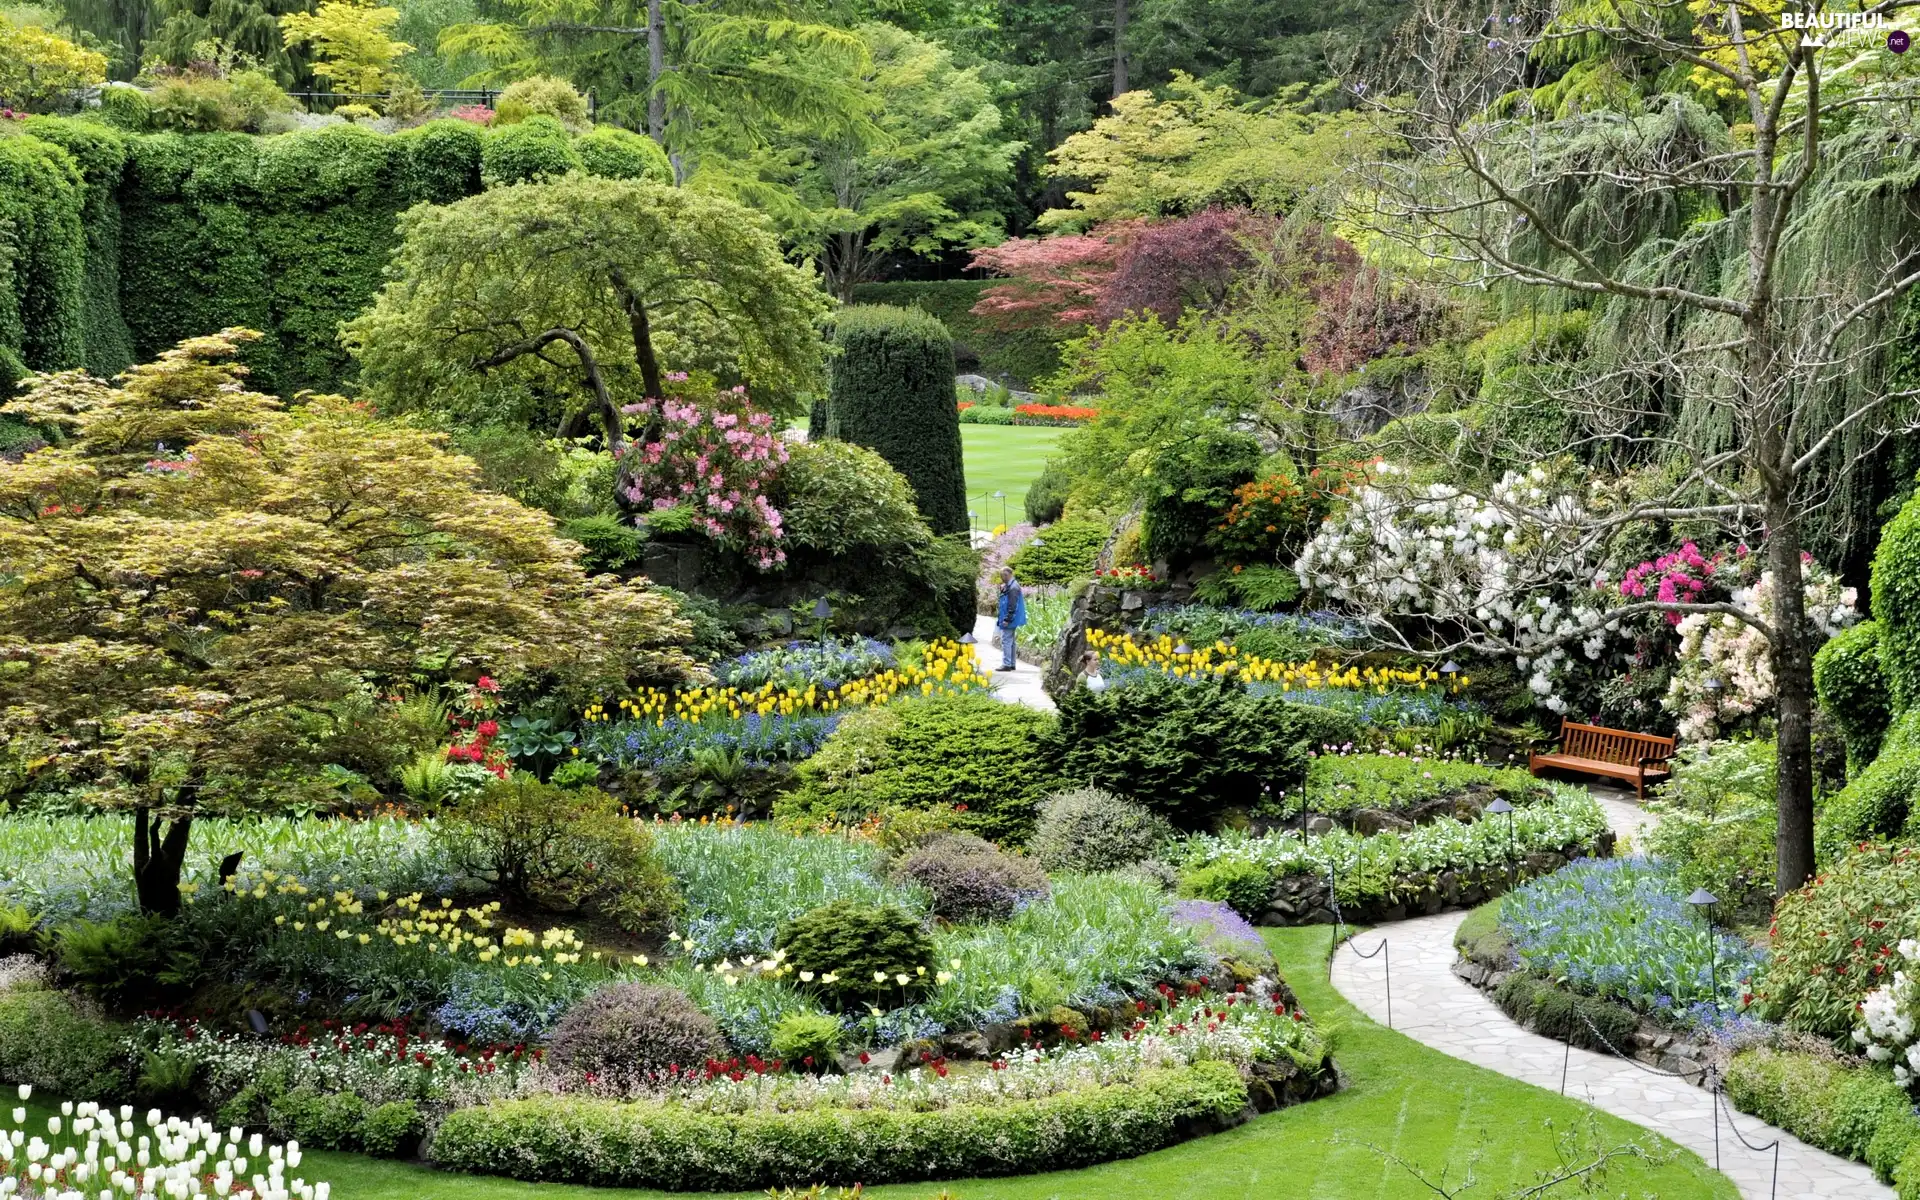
(1018, 686)
(1434, 1006)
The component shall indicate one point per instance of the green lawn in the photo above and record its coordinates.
(1004, 458)
(1431, 1110)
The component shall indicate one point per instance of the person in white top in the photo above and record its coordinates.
(1090, 672)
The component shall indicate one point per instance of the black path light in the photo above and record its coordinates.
(821, 611)
(1702, 902)
(1498, 807)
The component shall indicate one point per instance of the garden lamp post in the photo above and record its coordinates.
(973, 520)
(1702, 901)
(821, 611)
(1450, 671)
(1000, 494)
(1498, 807)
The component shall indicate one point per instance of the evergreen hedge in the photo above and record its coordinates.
(1018, 357)
(892, 391)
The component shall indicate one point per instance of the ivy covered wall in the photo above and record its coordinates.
(114, 246)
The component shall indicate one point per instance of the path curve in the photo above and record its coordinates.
(1018, 686)
(1434, 1006)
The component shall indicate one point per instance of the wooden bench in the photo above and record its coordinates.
(1614, 753)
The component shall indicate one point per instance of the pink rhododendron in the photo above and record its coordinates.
(715, 454)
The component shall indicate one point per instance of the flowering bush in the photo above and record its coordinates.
(1835, 939)
(1621, 928)
(1272, 515)
(1053, 414)
(1681, 577)
(710, 459)
(478, 114)
(183, 1160)
(1887, 1015)
(1135, 577)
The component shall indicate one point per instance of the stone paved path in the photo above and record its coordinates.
(1018, 686)
(1434, 1006)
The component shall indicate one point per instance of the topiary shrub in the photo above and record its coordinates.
(1090, 829)
(970, 879)
(1853, 690)
(542, 95)
(323, 1120)
(1896, 604)
(859, 954)
(986, 761)
(1060, 553)
(1243, 886)
(1878, 803)
(614, 153)
(892, 391)
(1047, 495)
(628, 1034)
(807, 1040)
(1190, 750)
(537, 148)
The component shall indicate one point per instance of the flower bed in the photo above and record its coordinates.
(1053, 414)
(1381, 790)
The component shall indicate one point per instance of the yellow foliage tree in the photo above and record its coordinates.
(353, 45)
(37, 65)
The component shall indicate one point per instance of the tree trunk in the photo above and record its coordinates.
(158, 860)
(656, 67)
(1792, 661)
(1119, 48)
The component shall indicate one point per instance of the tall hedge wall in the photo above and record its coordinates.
(1020, 358)
(892, 391)
(115, 246)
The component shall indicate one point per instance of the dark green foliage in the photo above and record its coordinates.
(1553, 1011)
(1896, 604)
(855, 941)
(1047, 496)
(42, 259)
(892, 391)
(947, 567)
(1190, 750)
(1841, 1106)
(1065, 551)
(1878, 803)
(970, 879)
(534, 149)
(614, 153)
(943, 752)
(114, 960)
(1853, 689)
(101, 155)
(323, 1120)
(49, 1040)
(628, 1033)
(125, 108)
(393, 1130)
(610, 543)
(1243, 886)
(1193, 483)
(1017, 357)
(1089, 829)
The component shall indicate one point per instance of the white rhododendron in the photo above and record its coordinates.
(92, 1152)
(1887, 1020)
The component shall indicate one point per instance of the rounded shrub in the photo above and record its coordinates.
(1047, 495)
(542, 95)
(535, 149)
(1853, 689)
(393, 1130)
(1243, 886)
(1828, 937)
(1090, 829)
(1879, 802)
(808, 1041)
(615, 153)
(629, 1033)
(840, 498)
(892, 391)
(859, 954)
(1896, 604)
(970, 879)
(1061, 553)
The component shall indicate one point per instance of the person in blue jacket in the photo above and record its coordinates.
(1013, 614)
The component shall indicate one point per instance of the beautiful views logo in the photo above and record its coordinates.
(1845, 28)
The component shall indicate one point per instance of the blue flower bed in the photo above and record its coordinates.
(760, 740)
(1621, 928)
(825, 664)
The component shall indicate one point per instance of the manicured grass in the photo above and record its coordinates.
(1431, 1110)
(1004, 458)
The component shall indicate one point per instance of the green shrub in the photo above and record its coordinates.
(1022, 356)
(1830, 935)
(807, 1040)
(970, 879)
(626, 1034)
(57, 1044)
(561, 849)
(1047, 495)
(534, 149)
(1193, 482)
(971, 753)
(166, 1079)
(1061, 553)
(42, 286)
(866, 948)
(1896, 605)
(1878, 803)
(1190, 751)
(614, 153)
(114, 960)
(17, 930)
(1243, 886)
(1553, 1011)
(1853, 690)
(986, 414)
(1089, 829)
(609, 1144)
(608, 543)
(1718, 818)
(125, 108)
(322, 1120)
(393, 1130)
(840, 498)
(542, 95)
(1843, 1107)
(892, 391)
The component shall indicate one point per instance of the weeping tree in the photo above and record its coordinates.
(1744, 247)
